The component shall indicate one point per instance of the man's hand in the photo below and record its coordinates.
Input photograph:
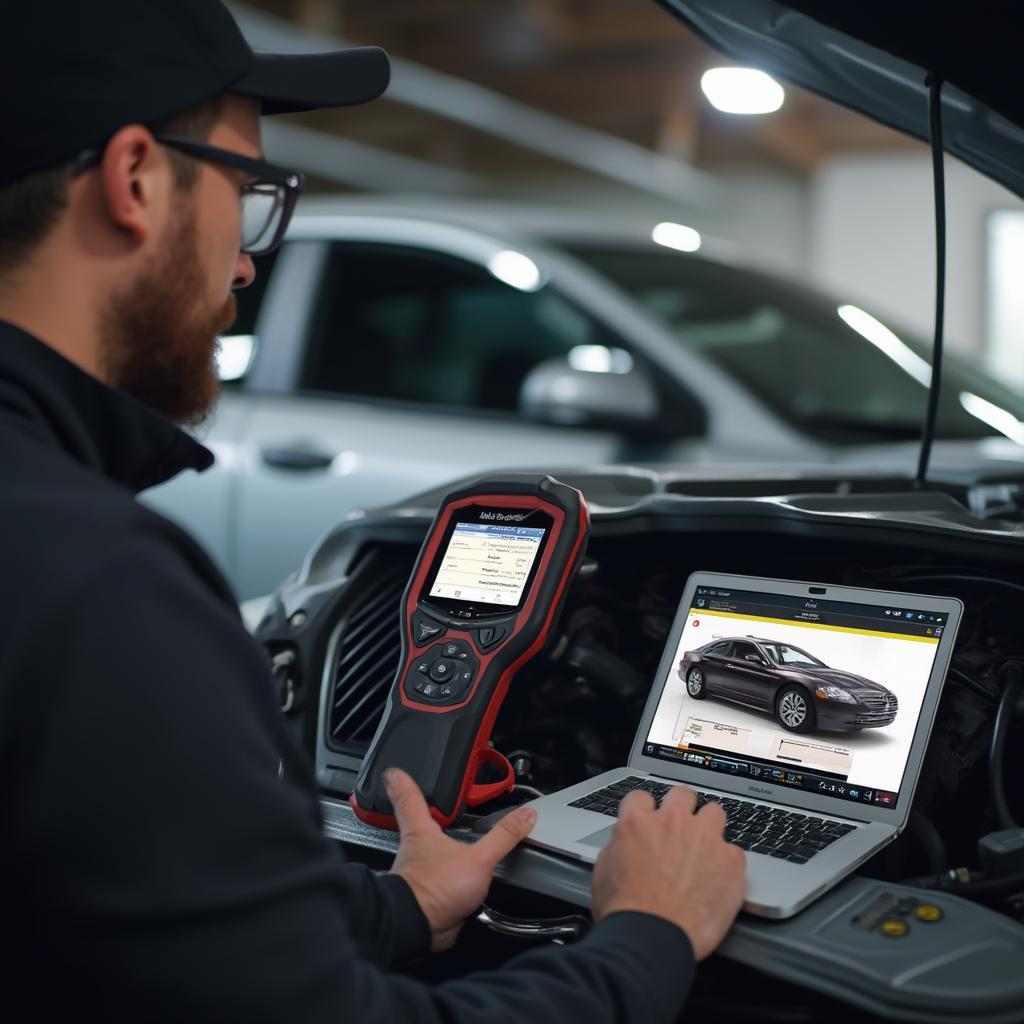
(449, 879)
(672, 863)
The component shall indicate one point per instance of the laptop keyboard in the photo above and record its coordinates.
(758, 828)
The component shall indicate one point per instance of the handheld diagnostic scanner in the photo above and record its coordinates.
(484, 596)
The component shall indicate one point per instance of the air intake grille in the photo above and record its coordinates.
(884, 702)
(369, 647)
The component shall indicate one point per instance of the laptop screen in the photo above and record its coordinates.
(820, 695)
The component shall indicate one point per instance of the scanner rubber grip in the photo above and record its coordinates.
(480, 793)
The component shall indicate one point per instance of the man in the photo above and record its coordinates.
(161, 843)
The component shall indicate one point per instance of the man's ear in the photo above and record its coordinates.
(130, 171)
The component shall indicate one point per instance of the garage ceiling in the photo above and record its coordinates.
(622, 68)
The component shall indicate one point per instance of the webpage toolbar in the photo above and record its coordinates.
(772, 774)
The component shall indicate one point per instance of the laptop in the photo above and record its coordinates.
(803, 709)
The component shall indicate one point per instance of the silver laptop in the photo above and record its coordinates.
(803, 709)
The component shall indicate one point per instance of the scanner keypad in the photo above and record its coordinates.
(443, 674)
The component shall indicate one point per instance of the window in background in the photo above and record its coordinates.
(1004, 314)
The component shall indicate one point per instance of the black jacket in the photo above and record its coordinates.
(161, 844)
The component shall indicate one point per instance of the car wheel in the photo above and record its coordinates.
(794, 710)
(695, 683)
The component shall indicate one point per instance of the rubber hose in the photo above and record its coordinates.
(927, 835)
(609, 673)
(1004, 718)
(988, 886)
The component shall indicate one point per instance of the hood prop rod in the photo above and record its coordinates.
(934, 84)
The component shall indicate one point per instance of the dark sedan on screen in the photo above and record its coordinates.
(802, 692)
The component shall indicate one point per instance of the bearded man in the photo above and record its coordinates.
(162, 850)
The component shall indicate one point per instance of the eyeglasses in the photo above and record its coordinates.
(267, 202)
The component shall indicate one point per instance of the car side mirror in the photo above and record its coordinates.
(756, 659)
(609, 396)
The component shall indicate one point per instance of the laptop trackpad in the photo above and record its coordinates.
(600, 838)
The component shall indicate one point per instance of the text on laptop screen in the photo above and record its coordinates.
(820, 695)
(488, 564)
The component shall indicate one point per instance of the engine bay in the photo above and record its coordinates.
(332, 632)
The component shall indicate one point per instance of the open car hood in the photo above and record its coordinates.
(873, 58)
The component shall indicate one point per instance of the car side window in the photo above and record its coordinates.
(815, 361)
(415, 325)
(722, 650)
(741, 649)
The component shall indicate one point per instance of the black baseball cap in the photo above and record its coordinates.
(72, 72)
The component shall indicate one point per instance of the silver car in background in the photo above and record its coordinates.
(388, 348)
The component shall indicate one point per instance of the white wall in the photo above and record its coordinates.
(763, 213)
(873, 239)
(1005, 289)
(767, 215)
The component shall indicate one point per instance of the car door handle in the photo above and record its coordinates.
(303, 459)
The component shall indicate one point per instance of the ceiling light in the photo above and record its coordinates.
(885, 341)
(676, 236)
(516, 270)
(742, 91)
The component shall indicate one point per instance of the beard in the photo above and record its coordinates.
(159, 341)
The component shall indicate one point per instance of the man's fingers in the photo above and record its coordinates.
(639, 801)
(713, 813)
(682, 797)
(411, 811)
(505, 836)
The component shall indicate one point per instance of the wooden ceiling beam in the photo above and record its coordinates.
(564, 25)
(487, 111)
(620, 67)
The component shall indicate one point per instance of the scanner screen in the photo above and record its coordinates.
(487, 563)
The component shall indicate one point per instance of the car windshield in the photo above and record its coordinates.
(783, 655)
(833, 370)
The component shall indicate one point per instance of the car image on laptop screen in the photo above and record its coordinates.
(809, 693)
(801, 691)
